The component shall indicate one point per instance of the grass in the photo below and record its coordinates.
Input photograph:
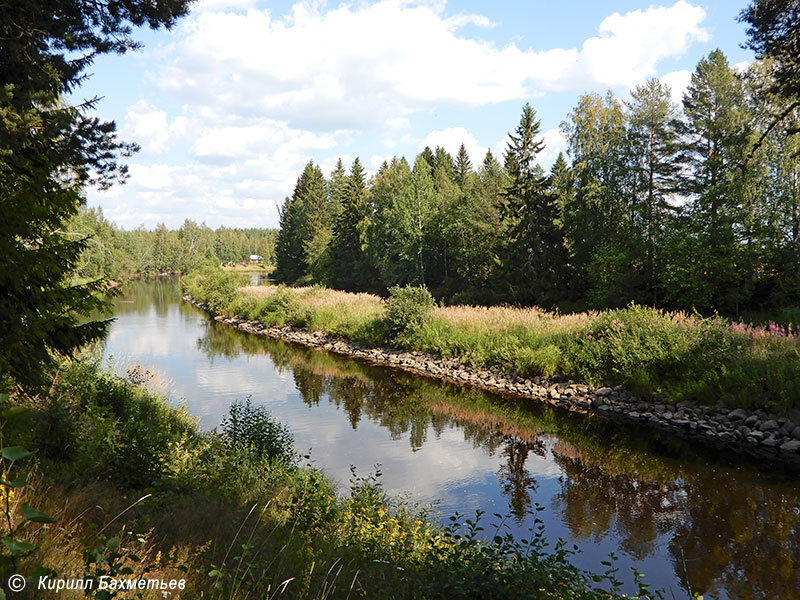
(126, 486)
(679, 355)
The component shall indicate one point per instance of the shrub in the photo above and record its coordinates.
(254, 427)
(407, 309)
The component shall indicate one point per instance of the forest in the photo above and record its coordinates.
(692, 207)
(120, 255)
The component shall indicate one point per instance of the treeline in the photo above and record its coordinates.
(681, 207)
(118, 254)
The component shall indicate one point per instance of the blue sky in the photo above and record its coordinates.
(231, 103)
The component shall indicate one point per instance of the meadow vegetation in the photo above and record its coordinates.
(125, 485)
(683, 356)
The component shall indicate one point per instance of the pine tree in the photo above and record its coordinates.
(715, 134)
(654, 147)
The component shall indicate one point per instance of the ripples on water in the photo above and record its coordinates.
(688, 521)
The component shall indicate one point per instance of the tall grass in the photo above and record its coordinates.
(683, 356)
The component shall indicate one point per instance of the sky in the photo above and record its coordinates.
(232, 103)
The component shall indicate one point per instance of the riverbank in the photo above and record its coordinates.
(770, 435)
(123, 485)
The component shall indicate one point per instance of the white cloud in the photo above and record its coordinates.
(222, 5)
(353, 66)
(451, 139)
(263, 93)
(677, 81)
(630, 45)
(147, 126)
(555, 142)
(741, 67)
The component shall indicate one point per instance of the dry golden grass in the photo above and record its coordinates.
(502, 317)
(359, 305)
(465, 317)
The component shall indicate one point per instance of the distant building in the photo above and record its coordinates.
(255, 258)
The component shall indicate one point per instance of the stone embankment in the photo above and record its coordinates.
(774, 438)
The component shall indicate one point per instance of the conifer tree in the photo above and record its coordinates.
(534, 259)
(350, 269)
(49, 152)
(654, 147)
(463, 166)
(715, 134)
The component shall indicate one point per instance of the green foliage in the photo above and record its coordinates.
(212, 286)
(49, 152)
(254, 428)
(407, 309)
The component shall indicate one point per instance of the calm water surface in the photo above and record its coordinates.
(691, 523)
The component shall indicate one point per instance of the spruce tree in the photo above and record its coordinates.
(535, 259)
(350, 269)
(49, 153)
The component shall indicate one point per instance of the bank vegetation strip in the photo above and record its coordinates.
(726, 383)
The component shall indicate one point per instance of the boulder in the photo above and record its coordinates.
(738, 414)
(790, 447)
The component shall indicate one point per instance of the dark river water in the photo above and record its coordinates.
(691, 522)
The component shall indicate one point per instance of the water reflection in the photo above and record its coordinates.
(689, 522)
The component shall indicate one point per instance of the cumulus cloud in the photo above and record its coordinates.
(353, 66)
(555, 142)
(147, 126)
(677, 81)
(451, 139)
(263, 93)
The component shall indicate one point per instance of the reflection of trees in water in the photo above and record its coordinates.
(594, 502)
(516, 480)
(735, 533)
(143, 295)
(727, 533)
(744, 537)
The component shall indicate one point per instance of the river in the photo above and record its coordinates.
(690, 521)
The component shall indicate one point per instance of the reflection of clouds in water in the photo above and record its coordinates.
(597, 487)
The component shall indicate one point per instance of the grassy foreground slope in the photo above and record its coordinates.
(121, 484)
(685, 357)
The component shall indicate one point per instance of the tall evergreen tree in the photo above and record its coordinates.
(706, 270)
(535, 259)
(305, 228)
(49, 152)
(350, 269)
(654, 147)
(463, 166)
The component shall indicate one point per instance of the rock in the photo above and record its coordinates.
(770, 442)
(790, 447)
(796, 433)
(604, 391)
(755, 436)
(751, 420)
(794, 415)
(770, 425)
(738, 414)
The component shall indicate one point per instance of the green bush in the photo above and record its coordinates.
(212, 286)
(254, 427)
(407, 309)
